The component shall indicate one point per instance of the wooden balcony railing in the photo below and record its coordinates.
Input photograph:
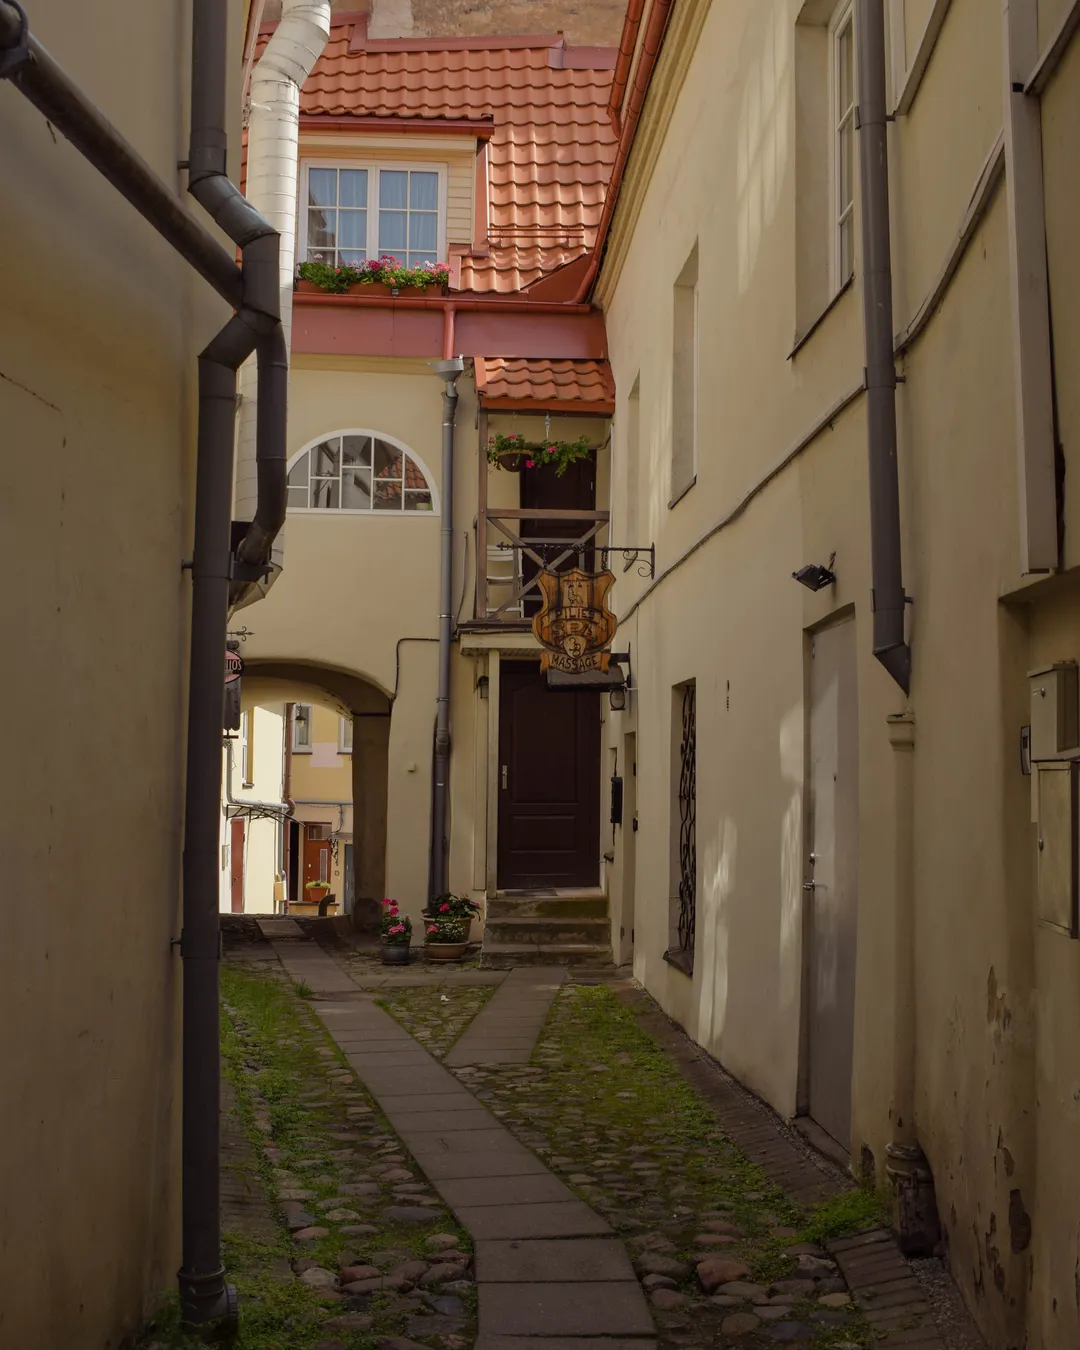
(509, 562)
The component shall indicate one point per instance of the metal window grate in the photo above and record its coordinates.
(688, 819)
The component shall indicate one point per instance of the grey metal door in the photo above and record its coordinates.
(832, 885)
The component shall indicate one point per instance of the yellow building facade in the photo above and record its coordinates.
(885, 925)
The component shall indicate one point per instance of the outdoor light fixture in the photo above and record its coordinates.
(482, 686)
(815, 577)
(617, 700)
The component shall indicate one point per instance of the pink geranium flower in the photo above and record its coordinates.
(529, 464)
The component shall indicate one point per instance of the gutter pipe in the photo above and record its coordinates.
(448, 371)
(252, 290)
(217, 578)
(273, 166)
(30, 68)
(886, 574)
(624, 60)
(655, 29)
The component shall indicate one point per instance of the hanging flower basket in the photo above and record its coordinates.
(515, 453)
(377, 276)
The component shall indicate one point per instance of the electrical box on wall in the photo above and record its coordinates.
(1055, 712)
(1058, 889)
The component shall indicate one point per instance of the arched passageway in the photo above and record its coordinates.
(369, 707)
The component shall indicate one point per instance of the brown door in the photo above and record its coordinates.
(832, 887)
(316, 860)
(575, 491)
(549, 783)
(236, 864)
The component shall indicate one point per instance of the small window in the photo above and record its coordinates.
(353, 212)
(247, 739)
(842, 104)
(345, 735)
(301, 729)
(358, 471)
(684, 380)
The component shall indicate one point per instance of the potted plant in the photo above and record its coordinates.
(314, 891)
(514, 452)
(446, 927)
(396, 930)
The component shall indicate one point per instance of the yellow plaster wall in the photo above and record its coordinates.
(995, 1062)
(97, 374)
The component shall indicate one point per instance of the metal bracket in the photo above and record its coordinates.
(644, 557)
(18, 55)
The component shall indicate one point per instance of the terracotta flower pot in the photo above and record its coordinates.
(395, 953)
(445, 951)
(308, 287)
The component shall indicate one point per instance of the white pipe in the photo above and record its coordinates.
(272, 178)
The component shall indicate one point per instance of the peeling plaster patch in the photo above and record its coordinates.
(1019, 1223)
(993, 1256)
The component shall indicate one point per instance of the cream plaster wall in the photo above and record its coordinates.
(97, 380)
(996, 1065)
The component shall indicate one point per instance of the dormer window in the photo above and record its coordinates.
(354, 211)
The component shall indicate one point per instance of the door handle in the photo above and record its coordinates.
(809, 885)
(504, 777)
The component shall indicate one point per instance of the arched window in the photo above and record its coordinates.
(359, 471)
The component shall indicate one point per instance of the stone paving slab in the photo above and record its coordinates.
(535, 1189)
(515, 1012)
(565, 1219)
(423, 1121)
(451, 1166)
(279, 928)
(498, 1188)
(561, 1343)
(559, 1261)
(590, 1308)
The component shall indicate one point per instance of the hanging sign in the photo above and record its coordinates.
(574, 625)
(234, 668)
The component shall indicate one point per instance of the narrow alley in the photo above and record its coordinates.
(532, 1159)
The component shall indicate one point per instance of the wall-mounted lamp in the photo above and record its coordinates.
(482, 686)
(815, 577)
(617, 699)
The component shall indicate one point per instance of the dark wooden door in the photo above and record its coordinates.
(549, 783)
(575, 491)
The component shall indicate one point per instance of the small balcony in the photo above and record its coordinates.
(515, 544)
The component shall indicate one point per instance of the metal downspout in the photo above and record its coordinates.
(206, 1298)
(448, 371)
(253, 290)
(890, 645)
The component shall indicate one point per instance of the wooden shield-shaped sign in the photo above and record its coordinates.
(574, 624)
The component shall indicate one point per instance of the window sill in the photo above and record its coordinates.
(681, 960)
(302, 750)
(801, 341)
(682, 493)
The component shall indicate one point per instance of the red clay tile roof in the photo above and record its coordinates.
(509, 381)
(551, 149)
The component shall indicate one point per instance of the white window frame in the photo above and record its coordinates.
(298, 749)
(345, 734)
(373, 168)
(365, 511)
(843, 17)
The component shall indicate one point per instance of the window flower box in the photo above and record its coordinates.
(376, 276)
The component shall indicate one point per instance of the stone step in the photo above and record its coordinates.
(506, 955)
(548, 906)
(535, 928)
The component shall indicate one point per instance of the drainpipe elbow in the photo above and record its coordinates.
(897, 661)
